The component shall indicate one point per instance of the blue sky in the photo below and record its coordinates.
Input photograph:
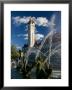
(19, 26)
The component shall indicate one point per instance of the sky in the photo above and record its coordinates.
(43, 21)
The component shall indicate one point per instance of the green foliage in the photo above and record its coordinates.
(14, 53)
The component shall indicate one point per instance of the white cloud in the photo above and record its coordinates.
(24, 19)
(42, 21)
(25, 35)
(39, 36)
(26, 28)
(16, 19)
(20, 20)
(18, 47)
(20, 35)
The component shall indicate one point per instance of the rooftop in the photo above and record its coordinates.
(31, 20)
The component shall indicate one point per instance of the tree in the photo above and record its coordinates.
(14, 53)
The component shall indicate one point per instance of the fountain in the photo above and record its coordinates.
(48, 54)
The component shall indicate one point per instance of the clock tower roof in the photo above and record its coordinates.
(31, 21)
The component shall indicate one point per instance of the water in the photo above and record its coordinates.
(56, 74)
(15, 74)
(51, 51)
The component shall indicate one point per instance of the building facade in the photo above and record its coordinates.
(31, 32)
